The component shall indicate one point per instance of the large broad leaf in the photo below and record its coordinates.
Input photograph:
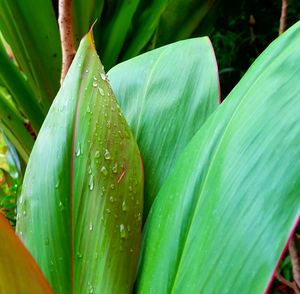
(18, 271)
(30, 28)
(166, 98)
(220, 222)
(81, 206)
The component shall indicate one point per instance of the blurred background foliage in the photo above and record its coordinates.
(242, 31)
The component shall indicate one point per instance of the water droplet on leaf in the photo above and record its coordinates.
(104, 170)
(107, 155)
(101, 91)
(122, 231)
(91, 183)
(114, 168)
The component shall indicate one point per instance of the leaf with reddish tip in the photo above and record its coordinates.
(81, 205)
(18, 271)
(166, 98)
(223, 216)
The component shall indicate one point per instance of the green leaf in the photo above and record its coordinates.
(146, 24)
(85, 13)
(14, 126)
(18, 271)
(116, 29)
(166, 95)
(81, 205)
(13, 80)
(220, 222)
(31, 29)
(181, 18)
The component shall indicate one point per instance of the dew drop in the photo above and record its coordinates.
(124, 206)
(94, 78)
(97, 154)
(112, 186)
(103, 76)
(139, 217)
(104, 170)
(91, 289)
(24, 212)
(95, 85)
(122, 231)
(107, 155)
(101, 91)
(91, 227)
(130, 188)
(114, 168)
(61, 206)
(108, 210)
(57, 184)
(131, 250)
(86, 70)
(91, 183)
(79, 255)
(111, 199)
(78, 150)
(89, 170)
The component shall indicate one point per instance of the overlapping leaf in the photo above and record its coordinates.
(166, 98)
(30, 28)
(220, 222)
(81, 205)
(18, 271)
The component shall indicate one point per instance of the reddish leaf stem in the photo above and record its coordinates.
(66, 35)
(283, 17)
(295, 259)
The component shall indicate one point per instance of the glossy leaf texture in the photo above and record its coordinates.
(221, 220)
(81, 205)
(31, 29)
(18, 271)
(166, 98)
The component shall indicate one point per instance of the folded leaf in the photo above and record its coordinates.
(221, 220)
(166, 98)
(18, 271)
(81, 205)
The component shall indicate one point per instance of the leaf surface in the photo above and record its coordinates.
(30, 27)
(81, 205)
(221, 220)
(85, 13)
(18, 271)
(166, 98)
